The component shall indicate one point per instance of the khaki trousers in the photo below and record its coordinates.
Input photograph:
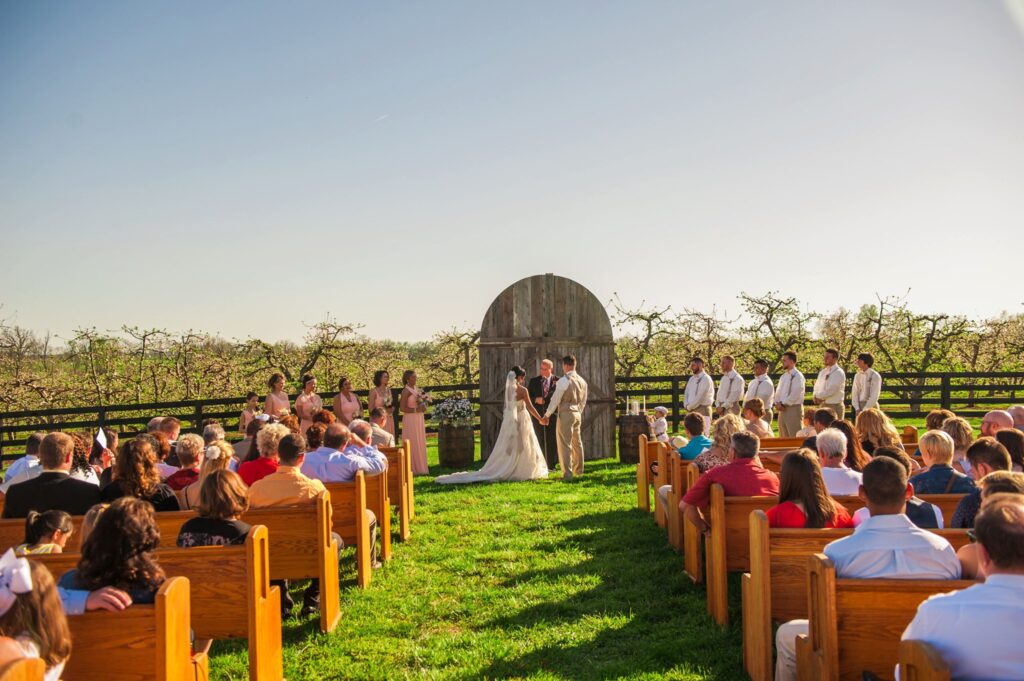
(570, 442)
(839, 409)
(734, 409)
(791, 420)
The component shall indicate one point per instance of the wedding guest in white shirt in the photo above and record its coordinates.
(700, 392)
(761, 387)
(830, 386)
(730, 389)
(885, 546)
(867, 384)
(976, 631)
(28, 466)
(839, 480)
(789, 398)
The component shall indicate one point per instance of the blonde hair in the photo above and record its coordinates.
(960, 430)
(875, 427)
(724, 428)
(270, 437)
(938, 445)
(189, 448)
(218, 464)
(89, 521)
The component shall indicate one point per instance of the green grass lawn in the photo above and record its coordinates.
(542, 580)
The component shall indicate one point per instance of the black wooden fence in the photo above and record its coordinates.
(909, 395)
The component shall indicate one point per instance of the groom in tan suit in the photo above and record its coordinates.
(569, 400)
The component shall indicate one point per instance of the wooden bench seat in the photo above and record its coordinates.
(231, 597)
(775, 588)
(142, 643)
(870, 613)
(399, 484)
(349, 521)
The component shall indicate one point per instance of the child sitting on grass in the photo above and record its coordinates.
(45, 532)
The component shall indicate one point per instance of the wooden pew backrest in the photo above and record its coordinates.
(348, 518)
(24, 670)
(921, 662)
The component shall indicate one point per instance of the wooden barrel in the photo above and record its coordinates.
(455, 446)
(630, 429)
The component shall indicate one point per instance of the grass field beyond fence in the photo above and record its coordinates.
(540, 580)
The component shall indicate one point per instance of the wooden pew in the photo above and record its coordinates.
(870, 613)
(644, 478)
(919, 661)
(775, 589)
(947, 503)
(678, 479)
(658, 451)
(142, 643)
(349, 521)
(399, 479)
(24, 670)
(693, 540)
(231, 596)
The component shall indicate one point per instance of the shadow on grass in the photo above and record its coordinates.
(640, 583)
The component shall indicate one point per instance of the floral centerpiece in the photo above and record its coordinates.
(455, 441)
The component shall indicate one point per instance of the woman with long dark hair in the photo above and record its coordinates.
(803, 499)
(856, 457)
(135, 475)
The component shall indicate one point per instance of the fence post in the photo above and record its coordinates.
(675, 404)
(197, 418)
(396, 396)
(101, 417)
(947, 387)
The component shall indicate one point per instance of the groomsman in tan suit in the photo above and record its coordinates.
(569, 400)
(789, 397)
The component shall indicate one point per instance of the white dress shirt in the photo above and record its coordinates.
(830, 386)
(730, 390)
(867, 386)
(30, 469)
(892, 547)
(700, 391)
(560, 387)
(792, 388)
(761, 386)
(976, 630)
(841, 481)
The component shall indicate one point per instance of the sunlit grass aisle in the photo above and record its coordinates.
(538, 580)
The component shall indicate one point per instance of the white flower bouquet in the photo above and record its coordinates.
(456, 411)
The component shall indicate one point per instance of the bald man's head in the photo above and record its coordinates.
(995, 421)
(1017, 412)
(336, 436)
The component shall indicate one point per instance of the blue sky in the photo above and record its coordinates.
(244, 167)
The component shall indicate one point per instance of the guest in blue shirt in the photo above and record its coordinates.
(937, 453)
(694, 425)
(341, 457)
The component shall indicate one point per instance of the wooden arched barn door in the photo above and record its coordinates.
(548, 317)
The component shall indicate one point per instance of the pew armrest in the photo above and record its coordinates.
(921, 662)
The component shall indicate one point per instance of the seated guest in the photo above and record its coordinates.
(808, 419)
(722, 431)
(190, 453)
(381, 436)
(31, 614)
(986, 456)
(936, 417)
(856, 457)
(135, 475)
(212, 432)
(216, 457)
(803, 500)
(89, 521)
(266, 444)
(245, 449)
(101, 456)
(162, 450)
(698, 443)
(53, 488)
(336, 461)
(81, 467)
(824, 417)
(1017, 412)
(315, 436)
(839, 480)
(921, 513)
(153, 424)
(743, 476)
(994, 421)
(171, 427)
(993, 484)
(939, 477)
(876, 430)
(325, 417)
(45, 533)
(1013, 440)
(288, 486)
(22, 466)
(886, 546)
(963, 436)
(753, 417)
(359, 444)
(121, 552)
(974, 629)
(223, 499)
(291, 422)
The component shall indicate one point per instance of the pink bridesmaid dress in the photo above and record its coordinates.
(276, 403)
(305, 405)
(377, 400)
(414, 429)
(347, 407)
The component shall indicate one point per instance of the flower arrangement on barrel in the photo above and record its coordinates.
(455, 442)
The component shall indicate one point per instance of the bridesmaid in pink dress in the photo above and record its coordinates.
(414, 426)
(346, 403)
(380, 398)
(308, 403)
(277, 403)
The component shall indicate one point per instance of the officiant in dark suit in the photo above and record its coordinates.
(541, 389)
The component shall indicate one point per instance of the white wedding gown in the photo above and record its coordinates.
(516, 455)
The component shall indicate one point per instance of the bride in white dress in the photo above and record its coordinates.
(517, 454)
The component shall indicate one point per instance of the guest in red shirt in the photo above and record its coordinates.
(803, 498)
(189, 448)
(743, 476)
(267, 440)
